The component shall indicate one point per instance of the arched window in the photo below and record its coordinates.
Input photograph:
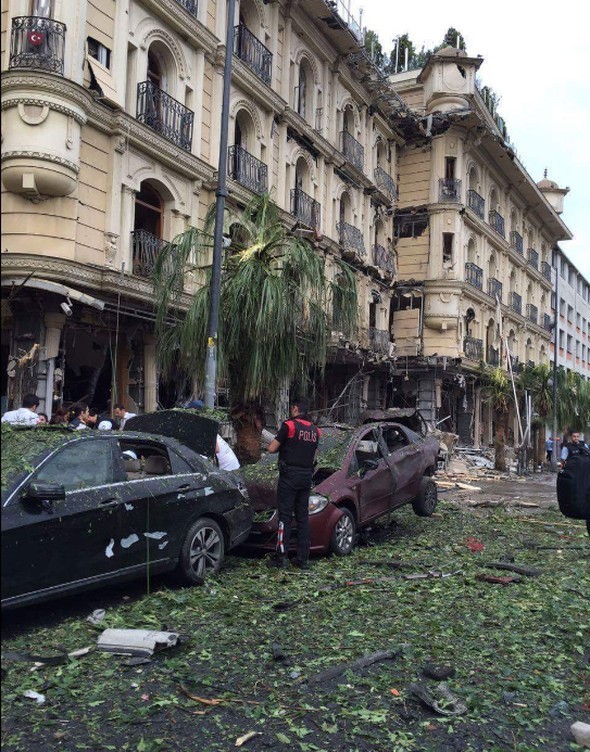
(302, 91)
(147, 229)
(471, 251)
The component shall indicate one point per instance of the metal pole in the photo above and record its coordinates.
(554, 458)
(220, 194)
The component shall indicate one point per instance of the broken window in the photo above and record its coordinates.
(448, 240)
(411, 225)
(406, 301)
(81, 464)
(450, 168)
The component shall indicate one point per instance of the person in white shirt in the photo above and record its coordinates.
(122, 415)
(226, 459)
(25, 415)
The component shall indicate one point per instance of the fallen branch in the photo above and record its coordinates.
(363, 662)
(526, 571)
(541, 522)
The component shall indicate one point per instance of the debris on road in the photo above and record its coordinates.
(440, 699)
(32, 695)
(474, 545)
(139, 642)
(241, 740)
(363, 662)
(96, 616)
(518, 568)
(581, 733)
(497, 580)
(432, 671)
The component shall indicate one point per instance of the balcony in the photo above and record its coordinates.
(378, 340)
(352, 150)
(247, 170)
(493, 356)
(164, 114)
(546, 270)
(474, 275)
(190, 6)
(530, 364)
(532, 313)
(497, 223)
(547, 322)
(515, 302)
(253, 53)
(306, 209)
(516, 242)
(351, 239)
(516, 365)
(386, 183)
(449, 190)
(476, 203)
(37, 43)
(145, 250)
(533, 258)
(383, 259)
(495, 289)
(473, 348)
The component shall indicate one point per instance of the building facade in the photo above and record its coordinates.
(474, 238)
(110, 148)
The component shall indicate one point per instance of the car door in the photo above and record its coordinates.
(375, 484)
(154, 502)
(404, 455)
(69, 540)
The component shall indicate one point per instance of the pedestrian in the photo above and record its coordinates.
(77, 417)
(25, 415)
(574, 447)
(122, 415)
(60, 417)
(549, 448)
(226, 458)
(43, 419)
(297, 443)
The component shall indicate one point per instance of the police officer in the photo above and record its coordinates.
(296, 442)
(574, 447)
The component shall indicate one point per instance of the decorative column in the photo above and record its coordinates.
(150, 373)
(286, 71)
(198, 101)
(127, 224)
(54, 323)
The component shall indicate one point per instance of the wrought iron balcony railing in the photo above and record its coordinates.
(190, 6)
(497, 222)
(384, 259)
(474, 275)
(252, 52)
(247, 170)
(493, 356)
(515, 302)
(473, 348)
(386, 183)
(477, 203)
(351, 239)
(164, 114)
(516, 242)
(532, 313)
(145, 250)
(530, 364)
(449, 189)
(533, 258)
(378, 340)
(352, 150)
(516, 365)
(305, 208)
(547, 322)
(546, 270)
(37, 43)
(495, 288)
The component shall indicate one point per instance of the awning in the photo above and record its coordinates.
(102, 81)
(56, 287)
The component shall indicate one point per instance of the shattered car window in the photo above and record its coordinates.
(80, 464)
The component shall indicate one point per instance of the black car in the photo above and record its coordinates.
(87, 508)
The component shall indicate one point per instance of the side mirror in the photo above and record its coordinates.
(39, 491)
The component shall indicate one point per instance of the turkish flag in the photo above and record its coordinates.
(36, 38)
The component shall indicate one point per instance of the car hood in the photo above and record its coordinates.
(407, 416)
(186, 426)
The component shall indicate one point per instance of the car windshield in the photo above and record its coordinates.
(23, 447)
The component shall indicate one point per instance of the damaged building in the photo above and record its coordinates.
(474, 240)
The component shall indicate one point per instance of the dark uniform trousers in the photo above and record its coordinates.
(293, 498)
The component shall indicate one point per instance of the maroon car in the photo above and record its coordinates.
(362, 474)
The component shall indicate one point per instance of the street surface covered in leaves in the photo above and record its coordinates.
(254, 664)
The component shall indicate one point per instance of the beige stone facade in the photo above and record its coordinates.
(111, 133)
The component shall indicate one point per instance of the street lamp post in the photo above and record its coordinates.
(555, 351)
(220, 196)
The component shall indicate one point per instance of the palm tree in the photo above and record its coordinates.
(276, 305)
(573, 404)
(497, 392)
(538, 381)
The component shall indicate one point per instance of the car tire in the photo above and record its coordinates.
(425, 503)
(343, 536)
(202, 551)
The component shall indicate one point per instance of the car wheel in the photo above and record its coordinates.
(202, 551)
(425, 503)
(343, 536)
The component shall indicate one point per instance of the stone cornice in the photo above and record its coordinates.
(28, 83)
(17, 99)
(184, 24)
(262, 94)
